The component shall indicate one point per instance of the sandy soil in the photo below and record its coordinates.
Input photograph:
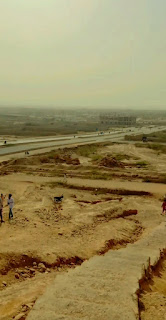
(85, 224)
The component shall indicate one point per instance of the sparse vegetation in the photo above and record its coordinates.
(160, 179)
(7, 145)
(98, 175)
(159, 148)
(142, 164)
(87, 150)
(152, 137)
(121, 157)
(96, 157)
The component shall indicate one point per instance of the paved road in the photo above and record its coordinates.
(21, 145)
(47, 139)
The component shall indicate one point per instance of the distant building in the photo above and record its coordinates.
(118, 120)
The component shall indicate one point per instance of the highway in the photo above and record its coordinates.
(28, 144)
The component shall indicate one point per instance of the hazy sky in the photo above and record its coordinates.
(83, 53)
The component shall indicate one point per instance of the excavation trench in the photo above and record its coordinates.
(114, 215)
(19, 269)
(113, 244)
(146, 283)
(21, 261)
(26, 262)
(98, 201)
(24, 266)
(124, 192)
(12, 263)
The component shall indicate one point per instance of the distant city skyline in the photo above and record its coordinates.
(83, 53)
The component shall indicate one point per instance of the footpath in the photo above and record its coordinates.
(103, 288)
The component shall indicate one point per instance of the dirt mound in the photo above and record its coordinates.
(110, 162)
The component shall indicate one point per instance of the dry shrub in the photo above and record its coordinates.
(66, 159)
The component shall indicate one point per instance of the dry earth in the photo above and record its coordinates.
(93, 218)
(152, 298)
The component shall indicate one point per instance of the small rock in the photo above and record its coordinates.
(3, 272)
(4, 283)
(26, 271)
(20, 271)
(42, 267)
(17, 276)
(29, 305)
(32, 270)
(24, 308)
(24, 275)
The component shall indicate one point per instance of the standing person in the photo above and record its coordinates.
(164, 206)
(1, 207)
(10, 203)
(65, 178)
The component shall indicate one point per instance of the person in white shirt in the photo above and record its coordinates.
(65, 178)
(10, 203)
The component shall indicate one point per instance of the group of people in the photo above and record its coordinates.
(10, 204)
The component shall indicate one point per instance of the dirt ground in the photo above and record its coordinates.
(153, 295)
(46, 238)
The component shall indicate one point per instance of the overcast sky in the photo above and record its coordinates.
(83, 53)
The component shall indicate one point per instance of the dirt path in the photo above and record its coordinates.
(155, 188)
(158, 189)
(104, 287)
